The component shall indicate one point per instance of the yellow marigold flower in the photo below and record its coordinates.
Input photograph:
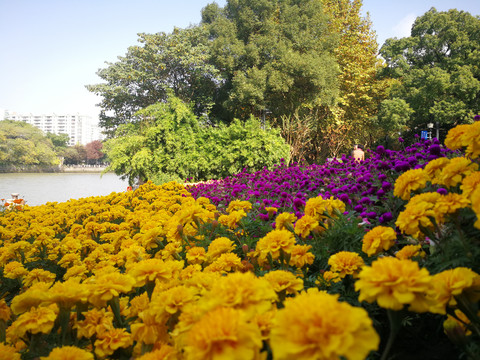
(9, 353)
(273, 243)
(394, 283)
(455, 282)
(242, 291)
(196, 255)
(333, 204)
(69, 260)
(165, 352)
(300, 256)
(316, 207)
(152, 328)
(68, 353)
(434, 168)
(265, 322)
(315, 325)
(449, 204)
(138, 304)
(225, 263)
(232, 219)
(327, 277)
(415, 215)
(475, 197)
(346, 263)
(428, 197)
(456, 327)
(38, 320)
(108, 286)
(32, 297)
(151, 270)
(38, 275)
(271, 210)
(5, 312)
(470, 184)
(96, 322)
(111, 340)
(284, 219)
(305, 225)
(67, 294)
(471, 139)
(219, 246)
(454, 138)
(378, 239)
(239, 205)
(282, 280)
(14, 270)
(203, 281)
(78, 272)
(409, 181)
(189, 270)
(409, 251)
(454, 172)
(174, 299)
(223, 333)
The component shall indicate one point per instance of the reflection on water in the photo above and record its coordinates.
(40, 188)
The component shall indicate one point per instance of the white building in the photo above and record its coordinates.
(78, 127)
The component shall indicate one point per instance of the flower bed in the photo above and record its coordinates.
(164, 273)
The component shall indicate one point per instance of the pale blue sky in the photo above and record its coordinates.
(50, 49)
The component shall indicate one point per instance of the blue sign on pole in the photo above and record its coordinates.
(424, 134)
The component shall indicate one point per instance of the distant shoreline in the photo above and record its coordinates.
(53, 169)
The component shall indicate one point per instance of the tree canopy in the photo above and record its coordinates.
(23, 144)
(438, 68)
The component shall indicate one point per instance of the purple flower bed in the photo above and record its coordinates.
(364, 186)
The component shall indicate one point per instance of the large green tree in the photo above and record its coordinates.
(23, 144)
(276, 57)
(162, 64)
(438, 68)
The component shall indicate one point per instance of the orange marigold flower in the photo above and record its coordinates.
(150, 270)
(346, 263)
(219, 246)
(111, 340)
(96, 322)
(196, 255)
(68, 353)
(33, 296)
(475, 197)
(282, 280)
(409, 181)
(470, 184)
(273, 243)
(14, 270)
(454, 172)
(38, 320)
(327, 277)
(454, 138)
(378, 239)
(284, 219)
(108, 286)
(152, 328)
(38, 275)
(449, 204)
(471, 139)
(455, 282)
(305, 225)
(66, 294)
(409, 251)
(315, 325)
(300, 256)
(8, 352)
(165, 352)
(316, 207)
(416, 214)
(223, 333)
(231, 220)
(434, 168)
(394, 283)
(239, 205)
(5, 312)
(225, 263)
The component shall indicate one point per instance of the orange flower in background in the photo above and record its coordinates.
(111, 340)
(273, 243)
(409, 251)
(449, 204)
(305, 225)
(8, 352)
(14, 270)
(165, 352)
(96, 322)
(315, 325)
(219, 246)
(470, 184)
(37, 320)
(150, 270)
(236, 205)
(408, 182)
(394, 283)
(454, 138)
(378, 239)
(108, 286)
(5, 312)
(223, 333)
(68, 353)
(300, 256)
(454, 172)
(282, 280)
(196, 255)
(434, 167)
(284, 219)
(346, 263)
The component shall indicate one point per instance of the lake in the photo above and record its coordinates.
(39, 188)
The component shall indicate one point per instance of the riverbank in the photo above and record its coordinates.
(52, 169)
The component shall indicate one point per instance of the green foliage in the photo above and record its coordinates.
(393, 116)
(275, 55)
(23, 144)
(169, 142)
(438, 66)
(59, 140)
(163, 62)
